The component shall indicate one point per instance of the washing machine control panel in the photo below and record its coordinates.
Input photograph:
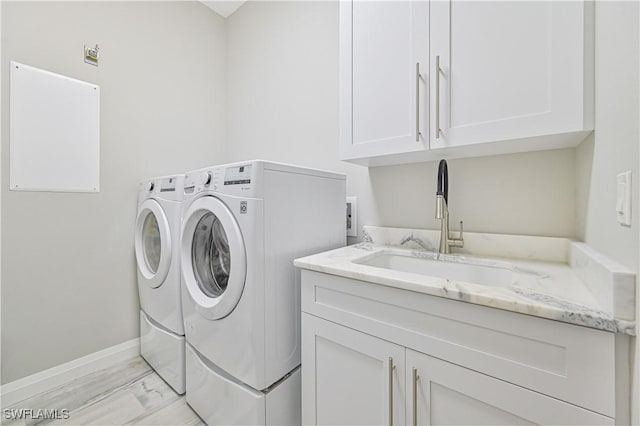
(147, 187)
(202, 178)
(166, 188)
(168, 184)
(224, 179)
(199, 181)
(237, 175)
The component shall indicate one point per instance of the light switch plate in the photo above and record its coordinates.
(352, 217)
(623, 199)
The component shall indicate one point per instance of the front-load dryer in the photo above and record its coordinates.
(243, 224)
(157, 243)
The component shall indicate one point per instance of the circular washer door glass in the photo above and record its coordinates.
(152, 242)
(210, 255)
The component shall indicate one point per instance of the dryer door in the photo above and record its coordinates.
(213, 257)
(152, 243)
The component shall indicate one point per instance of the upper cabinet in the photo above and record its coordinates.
(384, 58)
(425, 80)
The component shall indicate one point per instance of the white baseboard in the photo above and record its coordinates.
(46, 380)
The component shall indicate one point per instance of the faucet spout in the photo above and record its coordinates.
(442, 211)
(443, 181)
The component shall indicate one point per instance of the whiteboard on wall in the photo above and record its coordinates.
(54, 131)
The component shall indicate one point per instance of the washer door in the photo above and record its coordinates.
(153, 243)
(213, 257)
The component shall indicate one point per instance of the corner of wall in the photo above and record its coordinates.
(584, 164)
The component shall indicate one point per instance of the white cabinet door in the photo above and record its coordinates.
(447, 394)
(511, 70)
(348, 377)
(384, 63)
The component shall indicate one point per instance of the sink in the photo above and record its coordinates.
(494, 276)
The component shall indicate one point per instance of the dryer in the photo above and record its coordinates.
(243, 224)
(157, 243)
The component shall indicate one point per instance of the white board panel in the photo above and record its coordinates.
(54, 132)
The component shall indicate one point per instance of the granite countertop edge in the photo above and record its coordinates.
(515, 299)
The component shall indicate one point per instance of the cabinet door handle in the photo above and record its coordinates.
(415, 396)
(437, 126)
(417, 101)
(391, 367)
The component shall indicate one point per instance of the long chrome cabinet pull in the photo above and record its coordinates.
(415, 396)
(391, 367)
(417, 101)
(437, 97)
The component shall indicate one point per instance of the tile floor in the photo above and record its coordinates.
(127, 393)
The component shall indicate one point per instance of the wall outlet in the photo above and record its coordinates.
(352, 217)
(91, 55)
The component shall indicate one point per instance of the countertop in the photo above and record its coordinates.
(553, 278)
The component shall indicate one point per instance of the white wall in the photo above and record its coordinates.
(1, 188)
(614, 146)
(283, 105)
(282, 72)
(68, 277)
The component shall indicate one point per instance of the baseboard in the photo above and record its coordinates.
(46, 380)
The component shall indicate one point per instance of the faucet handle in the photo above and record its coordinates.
(458, 242)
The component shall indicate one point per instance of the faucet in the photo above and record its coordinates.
(442, 211)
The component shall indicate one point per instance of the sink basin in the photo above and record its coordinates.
(494, 276)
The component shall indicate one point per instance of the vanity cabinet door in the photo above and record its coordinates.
(441, 393)
(350, 378)
(384, 65)
(510, 70)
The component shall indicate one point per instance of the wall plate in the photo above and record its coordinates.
(352, 217)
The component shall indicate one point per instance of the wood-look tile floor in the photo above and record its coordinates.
(129, 393)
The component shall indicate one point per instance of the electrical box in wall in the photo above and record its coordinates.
(352, 217)
(54, 132)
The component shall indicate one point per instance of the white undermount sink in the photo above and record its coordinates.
(494, 276)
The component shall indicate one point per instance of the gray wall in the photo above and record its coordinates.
(283, 105)
(68, 276)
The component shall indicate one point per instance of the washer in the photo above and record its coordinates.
(243, 224)
(157, 248)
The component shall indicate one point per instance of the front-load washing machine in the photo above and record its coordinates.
(243, 224)
(157, 244)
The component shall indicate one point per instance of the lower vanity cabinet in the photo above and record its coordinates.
(349, 377)
(353, 378)
(473, 364)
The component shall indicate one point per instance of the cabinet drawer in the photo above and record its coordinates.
(572, 363)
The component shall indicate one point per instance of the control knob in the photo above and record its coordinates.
(205, 178)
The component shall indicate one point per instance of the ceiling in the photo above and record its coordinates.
(224, 8)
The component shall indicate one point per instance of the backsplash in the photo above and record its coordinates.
(549, 249)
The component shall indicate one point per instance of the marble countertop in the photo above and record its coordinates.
(551, 278)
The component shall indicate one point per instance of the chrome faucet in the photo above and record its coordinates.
(442, 211)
